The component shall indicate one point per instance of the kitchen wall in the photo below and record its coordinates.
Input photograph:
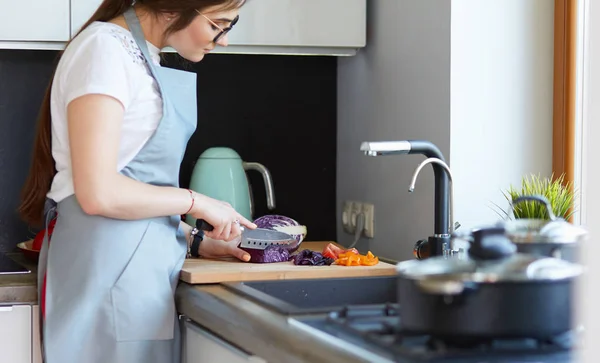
(473, 77)
(501, 100)
(279, 111)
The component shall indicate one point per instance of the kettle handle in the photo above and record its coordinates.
(268, 182)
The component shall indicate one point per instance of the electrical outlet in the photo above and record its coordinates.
(368, 210)
(347, 217)
(356, 210)
(350, 212)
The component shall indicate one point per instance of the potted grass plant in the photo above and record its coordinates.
(559, 194)
(527, 221)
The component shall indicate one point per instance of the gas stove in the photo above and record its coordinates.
(376, 331)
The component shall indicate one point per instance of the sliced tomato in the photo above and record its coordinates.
(331, 251)
(329, 254)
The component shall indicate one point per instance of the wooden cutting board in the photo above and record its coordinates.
(209, 271)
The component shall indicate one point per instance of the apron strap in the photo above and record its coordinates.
(135, 28)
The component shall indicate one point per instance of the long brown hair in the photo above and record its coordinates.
(43, 168)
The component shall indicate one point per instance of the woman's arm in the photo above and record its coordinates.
(94, 134)
(94, 124)
(212, 248)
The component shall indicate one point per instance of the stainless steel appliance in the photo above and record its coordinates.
(375, 332)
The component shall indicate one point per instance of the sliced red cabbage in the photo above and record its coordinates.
(273, 253)
(282, 224)
(313, 258)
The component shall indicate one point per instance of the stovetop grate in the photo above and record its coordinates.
(380, 325)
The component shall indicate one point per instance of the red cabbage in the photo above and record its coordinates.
(273, 253)
(313, 258)
(282, 224)
(274, 220)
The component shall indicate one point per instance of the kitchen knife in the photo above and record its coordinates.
(256, 239)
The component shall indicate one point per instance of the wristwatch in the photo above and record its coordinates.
(197, 237)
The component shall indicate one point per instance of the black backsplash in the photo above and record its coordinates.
(278, 111)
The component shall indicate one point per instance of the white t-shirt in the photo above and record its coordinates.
(103, 59)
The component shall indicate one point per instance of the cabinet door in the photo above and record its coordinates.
(34, 20)
(15, 333)
(36, 348)
(200, 346)
(308, 23)
(81, 11)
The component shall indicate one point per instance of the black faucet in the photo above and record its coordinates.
(441, 233)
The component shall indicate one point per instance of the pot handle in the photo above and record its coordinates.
(447, 287)
(534, 198)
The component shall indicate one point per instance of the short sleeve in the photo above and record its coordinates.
(97, 65)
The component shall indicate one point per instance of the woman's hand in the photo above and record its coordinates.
(212, 248)
(221, 215)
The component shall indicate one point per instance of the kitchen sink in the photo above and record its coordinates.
(317, 296)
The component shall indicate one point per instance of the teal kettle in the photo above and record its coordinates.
(220, 173)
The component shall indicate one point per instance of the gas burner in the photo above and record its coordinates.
(379, 327)
(370, 320)
(368, 311)
(561, 342)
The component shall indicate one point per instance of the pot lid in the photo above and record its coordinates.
(552, 230)
(544, 231)
(492, 257)
(517, 267)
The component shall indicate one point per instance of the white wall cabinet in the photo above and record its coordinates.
(81, 11)
(34, 20)
(300, 26)
(15, 333)
(290, 27)
(201, 346)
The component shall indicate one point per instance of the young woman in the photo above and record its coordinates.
(111, 136)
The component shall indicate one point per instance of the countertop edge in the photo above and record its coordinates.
(19, 289)
(249, 326)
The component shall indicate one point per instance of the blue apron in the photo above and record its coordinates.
(110, 283)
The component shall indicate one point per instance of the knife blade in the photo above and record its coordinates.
(258, 238)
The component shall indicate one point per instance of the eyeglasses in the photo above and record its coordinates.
(222, 31)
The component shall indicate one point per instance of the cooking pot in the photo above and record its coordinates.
(493, 292)
(553, 237)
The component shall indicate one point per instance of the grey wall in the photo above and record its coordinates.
(472, 76)
(397, 88)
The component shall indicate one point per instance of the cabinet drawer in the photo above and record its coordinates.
(201, 346)
(15, 333)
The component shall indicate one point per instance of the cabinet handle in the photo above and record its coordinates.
(6, 308)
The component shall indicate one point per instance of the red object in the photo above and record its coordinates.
(43, 293)
(28, 251)
(333, 251)
(39, 238)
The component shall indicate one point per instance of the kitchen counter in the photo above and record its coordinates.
(257, 329)
(19, 288)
